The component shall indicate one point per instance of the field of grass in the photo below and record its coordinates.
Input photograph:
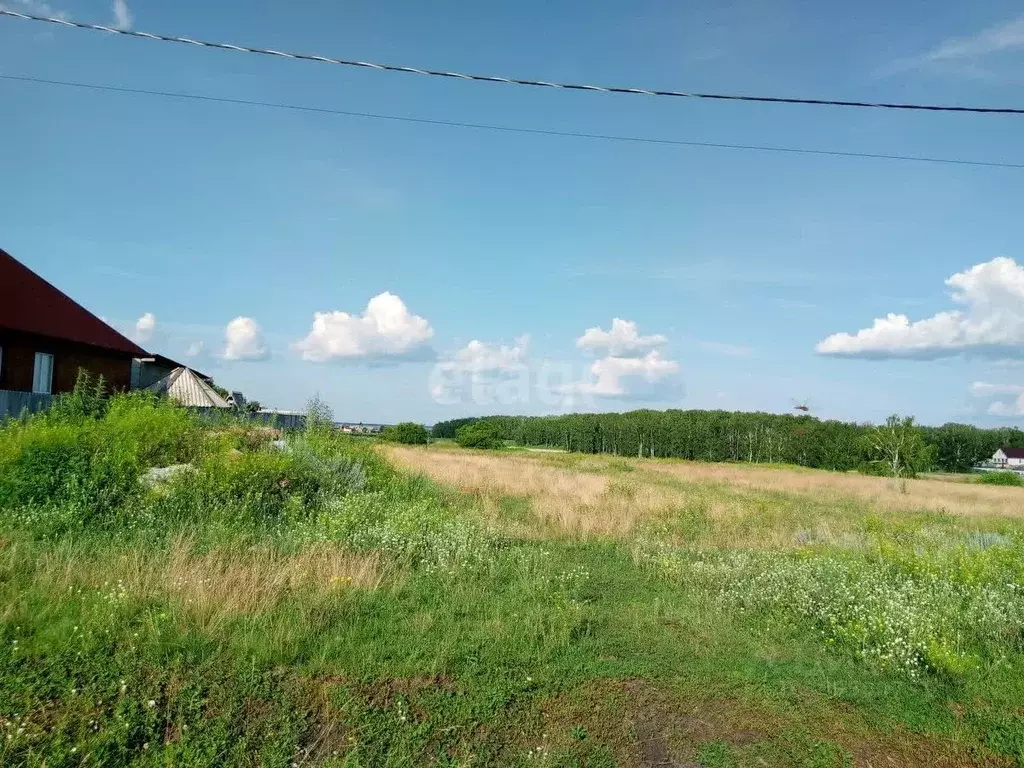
(340, 604)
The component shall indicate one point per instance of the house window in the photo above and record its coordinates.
(42, 375)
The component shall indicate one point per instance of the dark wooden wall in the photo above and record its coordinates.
(18, 362)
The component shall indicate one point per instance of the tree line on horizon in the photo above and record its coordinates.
(743, 436)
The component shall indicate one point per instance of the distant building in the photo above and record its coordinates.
(185, 387)
(46, 337)
(149, 370)
(361, 429)
(1010, 458)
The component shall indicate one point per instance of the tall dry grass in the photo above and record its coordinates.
(720, 505)
(211, 587)
(879, 493)
(577, 503)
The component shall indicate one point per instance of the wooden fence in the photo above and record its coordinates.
(13, 404)
(286, 421)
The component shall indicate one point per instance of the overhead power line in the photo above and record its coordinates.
(513, 80)
(507, 128)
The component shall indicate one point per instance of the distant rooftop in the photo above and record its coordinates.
(186, 388)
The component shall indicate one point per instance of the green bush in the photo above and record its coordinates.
(87, 399)
(377, 473)
(70, 475)
(77, 465)
(259, 488)
(407, 432)
(482, 434)
(1001, 478)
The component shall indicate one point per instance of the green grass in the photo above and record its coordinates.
(468, 647)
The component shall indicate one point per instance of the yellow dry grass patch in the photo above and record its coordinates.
(212, 586)
(879, 493)
(582, 504)
(722, 505)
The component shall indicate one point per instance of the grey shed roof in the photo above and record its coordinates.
(186, 388)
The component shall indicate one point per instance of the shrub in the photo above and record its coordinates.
(261, 488)
(154, 429)
(78, 464)
(319, 416)
(336, 473)
(407, 432)
(86, 400)
(60, 481)
(482, 434)
(61, 468)
(1001, 478)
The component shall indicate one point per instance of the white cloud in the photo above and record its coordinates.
(991, 323)
(625, 376)
(1007, 409)
(623, 340)
(998, 393)
(968, 55)
(1008, 35)
(35, 8)
(195, 349)
(480, 357)
(630, 366)
(984, 389)
(144, 327)
(244, 340)
(122, 15)
(477, 370)
(385, 329)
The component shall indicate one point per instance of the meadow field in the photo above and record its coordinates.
(342, 603)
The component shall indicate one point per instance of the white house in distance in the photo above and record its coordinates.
(1010, 458)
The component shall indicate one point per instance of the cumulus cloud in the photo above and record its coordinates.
(144, 327)
(990, 324)
(122, 15)
(478, 371)
(244, 340)
(385, 330)
(630, 365)
(480, 357)
(628, 377)
(195, 349)
(1007, 409)
(622, 340)
(1007, 399)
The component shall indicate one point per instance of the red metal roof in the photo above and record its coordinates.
(1013, 453)
(31, 305)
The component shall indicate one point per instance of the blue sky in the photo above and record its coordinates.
(229, 227)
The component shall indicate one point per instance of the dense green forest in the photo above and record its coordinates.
(737, 436)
